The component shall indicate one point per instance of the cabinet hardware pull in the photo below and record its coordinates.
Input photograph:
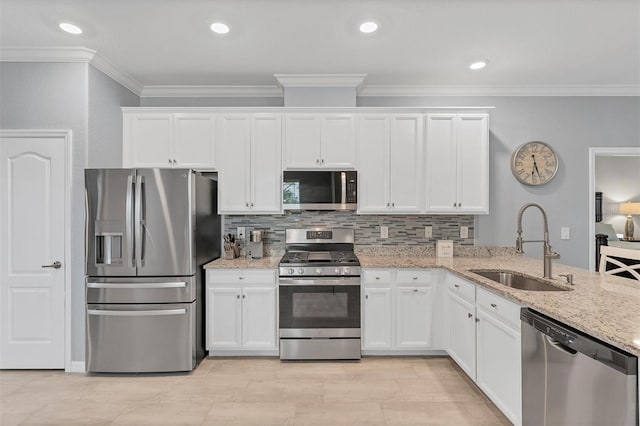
(246, 204)
(493, 305)
(237, 296)
(388, 204)
(393, 204)
(459, 204)
(169, 160)
(241, 278)
(366, 296)
(469, 315)
(377, 278)
(477, 319)
(456, 285)
(251, 204)
(415, 290)
(317, 161)
(415, 278)
(322, 161)
(455, 204)
(244, 296)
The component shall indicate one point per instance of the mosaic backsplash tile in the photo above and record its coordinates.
(404, 230)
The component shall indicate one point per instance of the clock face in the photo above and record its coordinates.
(534, 163)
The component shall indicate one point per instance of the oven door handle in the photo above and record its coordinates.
(320, 281)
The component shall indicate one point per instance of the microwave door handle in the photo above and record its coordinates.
(343, 185)
(138, 221)
(129, 220)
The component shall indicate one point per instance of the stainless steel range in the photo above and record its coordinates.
(319, 295)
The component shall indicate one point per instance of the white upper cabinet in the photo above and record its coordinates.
(390, 163)
(165, 139)
(250, 174)
(457, 166)
(314, 141)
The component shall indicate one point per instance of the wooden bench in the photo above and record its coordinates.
(617, 256)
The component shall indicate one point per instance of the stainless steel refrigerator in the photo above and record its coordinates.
(148, 233)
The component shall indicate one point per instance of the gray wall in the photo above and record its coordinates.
(59, 96)
(618, 178)
(105, 119)
(212, 102)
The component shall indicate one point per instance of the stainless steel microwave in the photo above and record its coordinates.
(320, 190)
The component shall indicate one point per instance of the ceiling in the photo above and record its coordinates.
(528, 43)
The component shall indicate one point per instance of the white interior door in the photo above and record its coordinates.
(32, 225)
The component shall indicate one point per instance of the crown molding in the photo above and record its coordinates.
(567, 90)
(211, 92)
(70, 55)
(320, 80)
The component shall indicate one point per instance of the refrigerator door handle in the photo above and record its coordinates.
(153, 312)
(129, 220)
(139, 246)
(137, 285)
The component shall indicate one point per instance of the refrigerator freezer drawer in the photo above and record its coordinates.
(141, 338)
(141, 290)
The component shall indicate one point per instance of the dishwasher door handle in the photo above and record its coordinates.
(559, 346)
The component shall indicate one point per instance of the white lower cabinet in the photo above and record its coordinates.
(241, 312)
(484, 340)
(397, 309)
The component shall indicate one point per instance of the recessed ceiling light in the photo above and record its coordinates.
(70, 28)
(219, 28)
(478, 65)
(368, 27)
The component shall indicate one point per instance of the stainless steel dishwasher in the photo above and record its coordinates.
(569, 378)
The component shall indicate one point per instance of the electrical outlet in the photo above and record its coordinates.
(384, 232)
(565, 233)
(428, 231)
(464, 232)
(241, 232)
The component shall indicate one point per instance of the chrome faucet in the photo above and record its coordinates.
(548, 253)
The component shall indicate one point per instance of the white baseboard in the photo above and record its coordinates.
(404, 352)
(223, 352)
(77, 367)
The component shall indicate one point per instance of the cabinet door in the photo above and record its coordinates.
(413, 317)
(441, 177)
(377, 318)
(301, 141)
(373, 164)
(498, 369)
(406, 183)
(233, 136)
(259, 318)
(266, 173)
(150, 141)
(462, 334)
(224, 316)
(194, 141)
(473, 163)
(338, 141)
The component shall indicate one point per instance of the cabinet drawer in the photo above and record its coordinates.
(461, 288)
(412, 277)
(499, 307)
(377, 276)
(240, 276)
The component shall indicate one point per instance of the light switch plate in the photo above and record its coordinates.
(565, 233)
(464, 232)
(384, 232)
(241, 232)
(428, 231)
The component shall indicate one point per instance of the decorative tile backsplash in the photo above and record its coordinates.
(404, 230)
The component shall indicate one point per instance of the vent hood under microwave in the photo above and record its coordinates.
(320, 190)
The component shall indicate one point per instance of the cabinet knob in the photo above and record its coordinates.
(456, 285)
(493, 305)
(415, 290)
(322, 161)
(251, 204)
(366, 296)
(388, 204)
(317, 161)
(455, 204)
(241, 278)
(477, 319)
(459, 204)
(393, 204)
(244, 296)
(246, 204)
(415, 278)
(377, 278)
(469, 315)
(169, 160)
(237, 296)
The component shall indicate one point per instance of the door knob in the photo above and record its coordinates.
(54, 265)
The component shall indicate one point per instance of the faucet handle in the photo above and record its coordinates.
(569, 278)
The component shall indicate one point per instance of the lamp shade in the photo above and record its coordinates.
(629, 208)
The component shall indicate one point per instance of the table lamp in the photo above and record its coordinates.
(629, 209)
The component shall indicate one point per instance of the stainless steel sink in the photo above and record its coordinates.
(516, 280)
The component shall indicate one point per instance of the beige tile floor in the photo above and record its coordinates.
(263, 391)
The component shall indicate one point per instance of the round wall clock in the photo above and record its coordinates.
(534, 163)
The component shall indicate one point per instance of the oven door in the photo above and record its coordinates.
(319, 307)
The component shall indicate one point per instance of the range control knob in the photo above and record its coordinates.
(347, 270)
(290, 271)
(319, 271)
(300, 271)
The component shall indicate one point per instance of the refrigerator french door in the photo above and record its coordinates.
(148, 233)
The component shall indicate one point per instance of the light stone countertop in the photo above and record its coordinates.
(607, 308)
